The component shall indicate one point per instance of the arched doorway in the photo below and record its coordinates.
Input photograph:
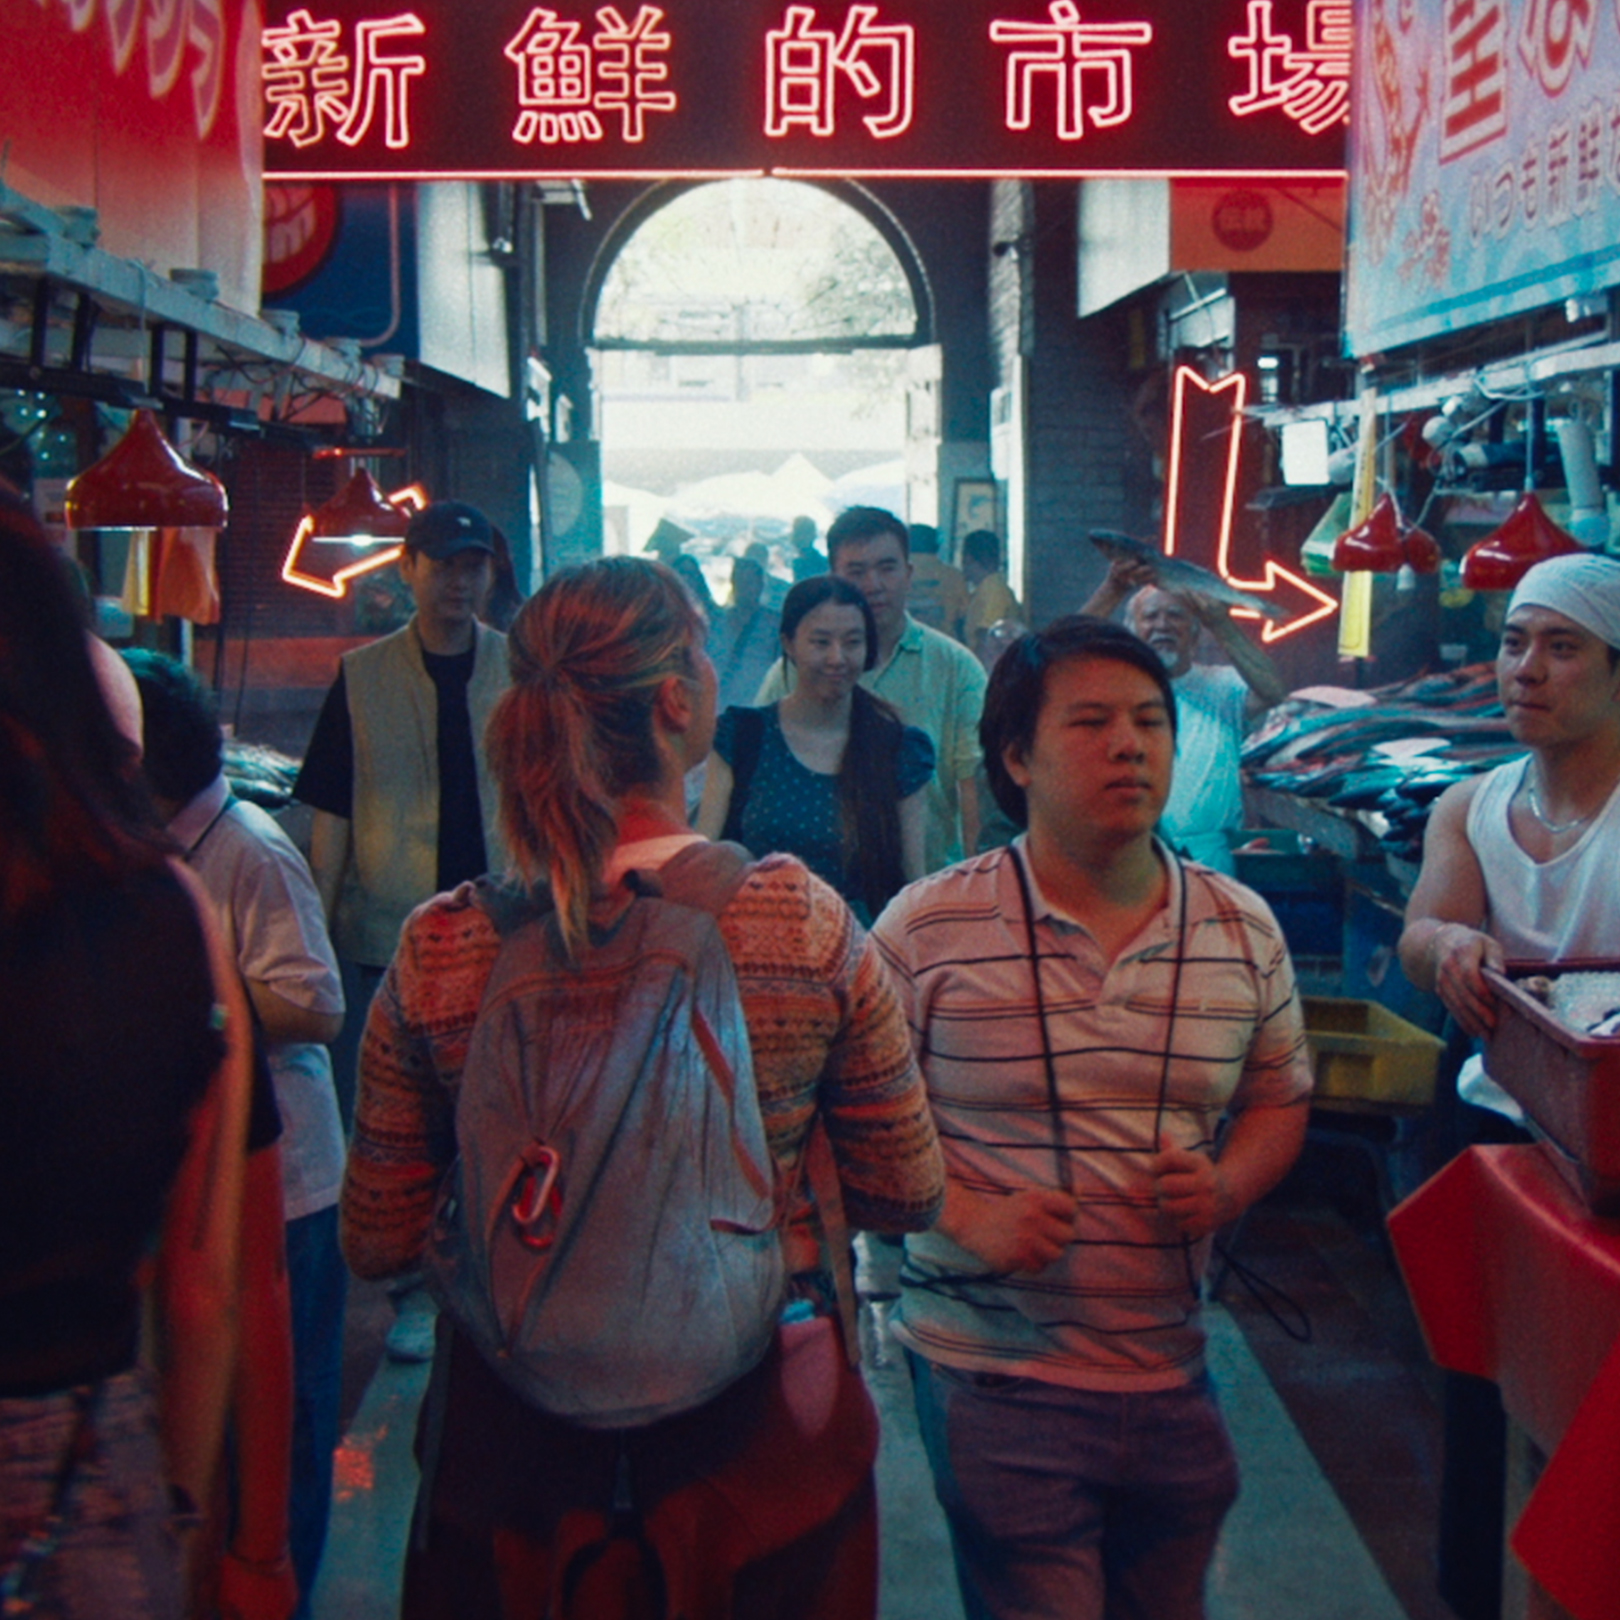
(761, 349)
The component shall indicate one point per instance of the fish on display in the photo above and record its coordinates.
(1173, 574)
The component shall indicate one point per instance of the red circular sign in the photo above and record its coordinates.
(300, 226)
(1242, 220)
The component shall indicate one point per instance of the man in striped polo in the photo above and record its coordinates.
(1087, 1010)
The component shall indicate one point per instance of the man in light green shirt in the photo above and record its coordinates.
(936, 683)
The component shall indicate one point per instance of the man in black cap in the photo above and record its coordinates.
(397, 777)
(395, 771)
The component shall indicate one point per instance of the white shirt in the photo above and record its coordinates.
(1539, 911)
(1206, 792)
(275, 931)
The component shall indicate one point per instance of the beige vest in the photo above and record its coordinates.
(394, 853)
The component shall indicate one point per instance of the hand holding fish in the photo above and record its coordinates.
(1126, 576)
(1171, 574)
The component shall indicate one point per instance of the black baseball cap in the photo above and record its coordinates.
(447, 528)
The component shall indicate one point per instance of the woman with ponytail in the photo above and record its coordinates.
(829, 773)
(612, 701)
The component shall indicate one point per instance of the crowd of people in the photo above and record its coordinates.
(949, 948)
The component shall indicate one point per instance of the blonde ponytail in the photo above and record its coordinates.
(574, 732)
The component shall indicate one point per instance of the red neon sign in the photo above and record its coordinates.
(565, 81)
(1062, 52)
(875, 87)
(1187, 539)
(805, 65)
(326, 566)
(314, 87)
(1310, 83)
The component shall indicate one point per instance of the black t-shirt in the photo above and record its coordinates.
(326, 781)
(461, 827)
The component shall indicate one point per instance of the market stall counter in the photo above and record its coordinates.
(1515, 1280)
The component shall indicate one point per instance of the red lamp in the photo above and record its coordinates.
(1527, 536)
(360, 514)
(1374, 544)
(1422, 551)
(362, 519)
(144, 483)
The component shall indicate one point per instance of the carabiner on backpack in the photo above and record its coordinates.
(536, 1197)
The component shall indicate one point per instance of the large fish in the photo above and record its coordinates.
(1175, 575)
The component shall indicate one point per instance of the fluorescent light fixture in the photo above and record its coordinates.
(1305, 452)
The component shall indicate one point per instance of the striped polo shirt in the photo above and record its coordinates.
(1119, 1309)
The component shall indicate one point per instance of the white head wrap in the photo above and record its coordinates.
(1581, 586)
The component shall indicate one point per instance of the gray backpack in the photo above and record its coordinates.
(608, 1235)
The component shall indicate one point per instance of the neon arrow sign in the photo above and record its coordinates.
(309, 563)
(1282, 583)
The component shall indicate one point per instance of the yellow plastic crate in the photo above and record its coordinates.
(1368, 1059)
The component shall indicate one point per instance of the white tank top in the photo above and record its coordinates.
(1546, 910)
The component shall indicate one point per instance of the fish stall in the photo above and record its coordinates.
(1338, 786)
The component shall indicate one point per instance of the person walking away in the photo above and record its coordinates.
(933, 682)
(1087, 1009)
(741, 1510)
(829, 773)
(123, 1069)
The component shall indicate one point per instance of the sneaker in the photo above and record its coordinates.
(411, 1336)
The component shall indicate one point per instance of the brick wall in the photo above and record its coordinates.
(1081, 453)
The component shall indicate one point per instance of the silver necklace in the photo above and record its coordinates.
(1556, 828)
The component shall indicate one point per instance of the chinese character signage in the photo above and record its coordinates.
(440, 88)
(1485, 175)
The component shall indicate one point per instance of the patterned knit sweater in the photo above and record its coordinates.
(826, 1030)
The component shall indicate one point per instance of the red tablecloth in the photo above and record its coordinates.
(1514, 1280)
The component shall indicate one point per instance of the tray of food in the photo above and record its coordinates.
(1556, 1051)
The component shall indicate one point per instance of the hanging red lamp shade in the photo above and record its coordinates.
(1527, 536)
(1373, 545)
(144, 483)
(359, 513)
(1421, 551)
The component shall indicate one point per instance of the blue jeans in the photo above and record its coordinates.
(318, 1282)
(117, 1554)
(1070, 1504)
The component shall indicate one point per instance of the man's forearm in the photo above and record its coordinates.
(1259, 1151)
(1417, 951)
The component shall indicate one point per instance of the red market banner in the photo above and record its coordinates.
(438, 89)
(1485, 167)
(148, 112)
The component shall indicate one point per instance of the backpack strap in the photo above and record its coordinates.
(748, 738)
(510, 904)
(706, 877)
